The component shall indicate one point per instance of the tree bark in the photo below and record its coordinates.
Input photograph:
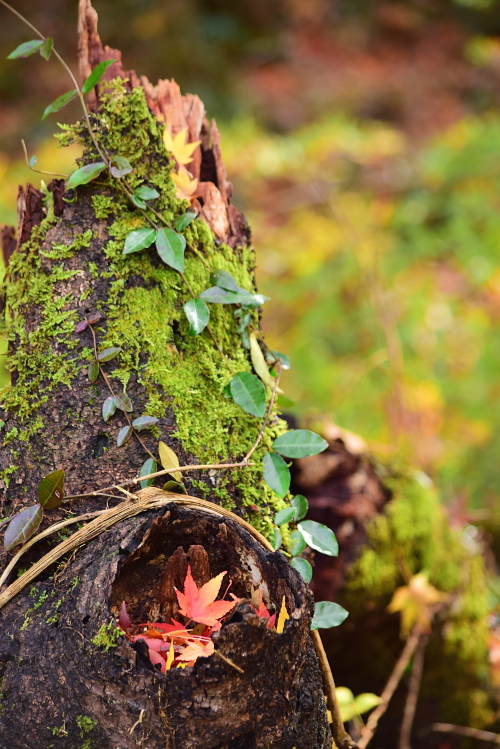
(60, 687)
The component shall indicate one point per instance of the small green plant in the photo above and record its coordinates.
(108, 636)
(85, 724)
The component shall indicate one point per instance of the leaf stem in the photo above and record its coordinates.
(39, 171)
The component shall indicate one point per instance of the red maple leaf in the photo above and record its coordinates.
(199, 604)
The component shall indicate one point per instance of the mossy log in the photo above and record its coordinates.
(59, 688)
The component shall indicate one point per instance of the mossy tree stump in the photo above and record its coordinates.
(69, 264)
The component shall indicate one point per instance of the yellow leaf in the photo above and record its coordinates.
(178, 147)
(415, 601)
(169, 460)
(185, 183)
(259, 363)
(282, 617)
(170, 656)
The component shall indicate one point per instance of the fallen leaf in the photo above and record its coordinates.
(283, 616)
(200, 604)
(178, 146)
(186, 184)
(196, 650)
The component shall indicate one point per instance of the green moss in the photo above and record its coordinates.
(414, 535)
(108, 636)
(144, 314)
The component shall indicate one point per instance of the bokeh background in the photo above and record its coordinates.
(363, 141)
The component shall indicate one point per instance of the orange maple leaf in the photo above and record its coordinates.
(200, 604)
(196, 650)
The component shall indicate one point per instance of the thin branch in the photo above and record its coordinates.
(389, 689)
(473, 733)
(39, 171)
(268, 414)
(412, 698)
(340, 736)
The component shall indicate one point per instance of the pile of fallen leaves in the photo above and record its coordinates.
(177, 644)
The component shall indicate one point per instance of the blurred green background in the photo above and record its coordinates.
(363, 142)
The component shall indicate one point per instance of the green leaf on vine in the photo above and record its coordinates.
(249, 393)
(123, 402)
(303, 568)
(139, 239)
(170, 247)
(224, 280)
(46, 48)
(143, 422)
(85, 174)
(301, 505)
(123, 435)
(276, 474)
(216, 295)
(297, 543)
(26, 49)
(319, 537)
(96, 76)
(93, 370)
(273, 356)
(198, 315)
(146, 193)
(277, 539)
(149, 466)
(108, 408)
(51, 490)
(58, 104)
(299, 443)
(120, 166)
(174, 486)
(182, 222)
(22, 526)
(328, 614)
(284, 516)
(108, 353)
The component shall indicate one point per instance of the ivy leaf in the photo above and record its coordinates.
(175, 487)
(22, 526)
(51, 490)
(146, 193)
(85, 174)
(108, 408)
(94, 317)
(149, 466)
(123, 402)
(26, 49)
(198, 315)
(301, 505)
(303, 568)
(224, 280)
(249, 393)
(182, 222)
(96, 76)
(143, 422)
(139, 239)
(58, 104)
(297, 543)
(277, 539)
(276, 474)
(123, 435)
(108, 353)
(46, 48)
(169, 460)
(120, 166)
(170, 247)
(273, 356)
(138, 202)
(328, 614)
(81, 326)
(284, 516)
(319, 537)
(93, 371)
(33, 161)
(299, 443)
(259, 362)
(216, 295)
